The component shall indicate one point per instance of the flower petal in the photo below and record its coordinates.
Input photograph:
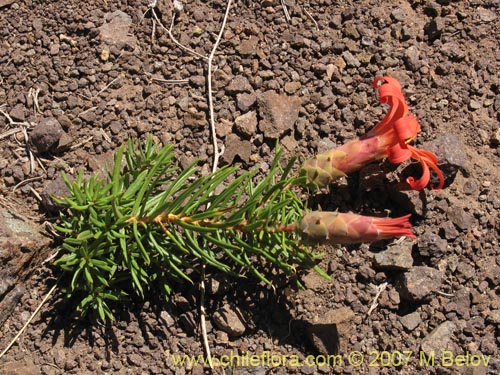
(427, 159)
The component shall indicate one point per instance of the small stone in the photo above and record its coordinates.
(239, 84)
(449, 230)
(486, 15)
(197, 81)
(247, 124)
(432, 9)
(292, 87)
(194, 119)
(17, 113)
(419, 283)
(439, 339)
(412, 58)
(398, 14)
(58, 188)
(350, 59)
(474, 104)
(245, 101)
(396, 257)
(430, 244)
(462, 219)
(411, 321)
(135, 360)
(328, 332)
(116, 31)
(236, 147)
(230, 320)
(278, 113)
(46, 134)
(248, 47)
(435, 28)
(450, 152)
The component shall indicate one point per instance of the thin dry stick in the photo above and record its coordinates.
(31, 317)
(169, 32)
(374, 305)
(217, 153)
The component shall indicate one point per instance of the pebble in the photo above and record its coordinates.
(328, 332)
(439, 339)
(419, 283)
(278, 113)
(411, 321)
(246, 124)
(236, 147)
(462, 219)
(431, 244)
(230, 320)
(46, 134)
(396, 257)
(239, 84)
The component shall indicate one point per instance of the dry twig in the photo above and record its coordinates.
(379, 290)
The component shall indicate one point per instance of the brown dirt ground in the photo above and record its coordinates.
(57, 60)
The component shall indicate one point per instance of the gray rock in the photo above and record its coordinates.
(396, 257)
(350, 59)
(462, 219)
(230, 320)
(328, 331)
(278, 113)
(398, 14)
(246, 124)
(430, 244)
(449, 230)
(439, 339)
(46, 134)
(412, 58)
(245, 101)
(411, 321)
(450, 151)
(236, 147)
(419, 283)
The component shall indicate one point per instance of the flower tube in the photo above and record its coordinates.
(388, 139)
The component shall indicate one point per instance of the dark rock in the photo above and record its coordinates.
(430, 244)
(432, 9)
(435, 28)
(247, 124)
(278, 113)
(410, 200)
(450, 151)
(236, 147)
(419, 283)
(449, 230)
(328, 332)
(46, 134)
(411, 321)
(58, 188)
(230, 320)
(462, 219)
(396, 257)
(439, 339)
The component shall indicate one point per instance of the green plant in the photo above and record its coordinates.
(145, 223)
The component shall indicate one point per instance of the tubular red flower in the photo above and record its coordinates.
(348, 228)
(389, 138)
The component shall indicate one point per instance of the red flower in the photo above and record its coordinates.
(390, 138)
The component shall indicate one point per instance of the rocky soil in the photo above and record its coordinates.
(80, 78)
